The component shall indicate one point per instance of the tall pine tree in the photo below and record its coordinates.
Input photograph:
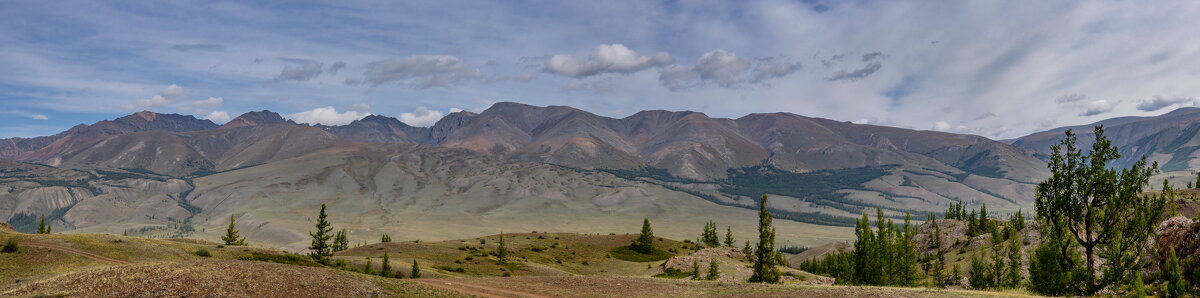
(729, 242)
(764, 255)
(231, 234)
(644, 242)
(321, 250)
(709, 236)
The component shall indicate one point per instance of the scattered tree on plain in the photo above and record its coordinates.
(321, 250)
(765, 254)
(231, 234)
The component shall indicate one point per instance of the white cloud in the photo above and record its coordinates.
(210, 103)
(1072, 97)
(166, 97)
(941, 126)
(326, 116)
(423, 117)
(39, 117)
(218, 117)
(725, 69)
(1158, 102)
(361, 108)
(419, 71)
(605, 58)
(303, 72)
(1096, 108)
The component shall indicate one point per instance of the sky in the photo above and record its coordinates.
(999, 69)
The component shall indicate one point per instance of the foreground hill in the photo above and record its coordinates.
(71, 265)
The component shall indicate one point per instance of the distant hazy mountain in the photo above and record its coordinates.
(512, 166)
(50, 146)
(1170, 139)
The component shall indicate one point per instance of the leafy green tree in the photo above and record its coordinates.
(713, 271)
(416, 270)
(764, 263)
(1100, 209)
(385, 269)
(709, 236)
(231, 234)
(729, 242)
(644, 242)
(321, 250)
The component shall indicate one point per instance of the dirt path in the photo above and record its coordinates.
(458, 285)
(77, 252)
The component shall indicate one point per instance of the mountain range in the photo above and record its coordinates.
(522, 167)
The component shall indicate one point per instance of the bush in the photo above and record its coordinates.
(290, 259)
(203, 253)
(10, 246)
(628, 254)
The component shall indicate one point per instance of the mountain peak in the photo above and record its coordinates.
(257, 118)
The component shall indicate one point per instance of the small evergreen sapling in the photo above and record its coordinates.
(231, 234)
(713, 271)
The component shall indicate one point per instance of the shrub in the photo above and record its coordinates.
(10, 246)
(291, 259)
(203, 253)
(628, 254)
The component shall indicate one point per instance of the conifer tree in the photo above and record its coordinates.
(1099, 209)
(367, 267)
(938, 260)
(385, 238)
(713, 271)
(748, 251)
(980, 276)
(955, 275)
(709, 236)
(1013, 277)
(125, 233)
(695, 269)
(320, 239)
(341, 241)
(1197, 184)
(764, 263)
(644, 242)
(998, 271)
(416, 270)
(385, 269)
(729, 242)
(42, 226)
(1137, 287)
(502, 251)
(231, 234)
(1176, 285)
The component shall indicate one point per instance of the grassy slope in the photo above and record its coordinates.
(560, 254)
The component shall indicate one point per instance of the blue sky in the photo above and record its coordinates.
(995, 68)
